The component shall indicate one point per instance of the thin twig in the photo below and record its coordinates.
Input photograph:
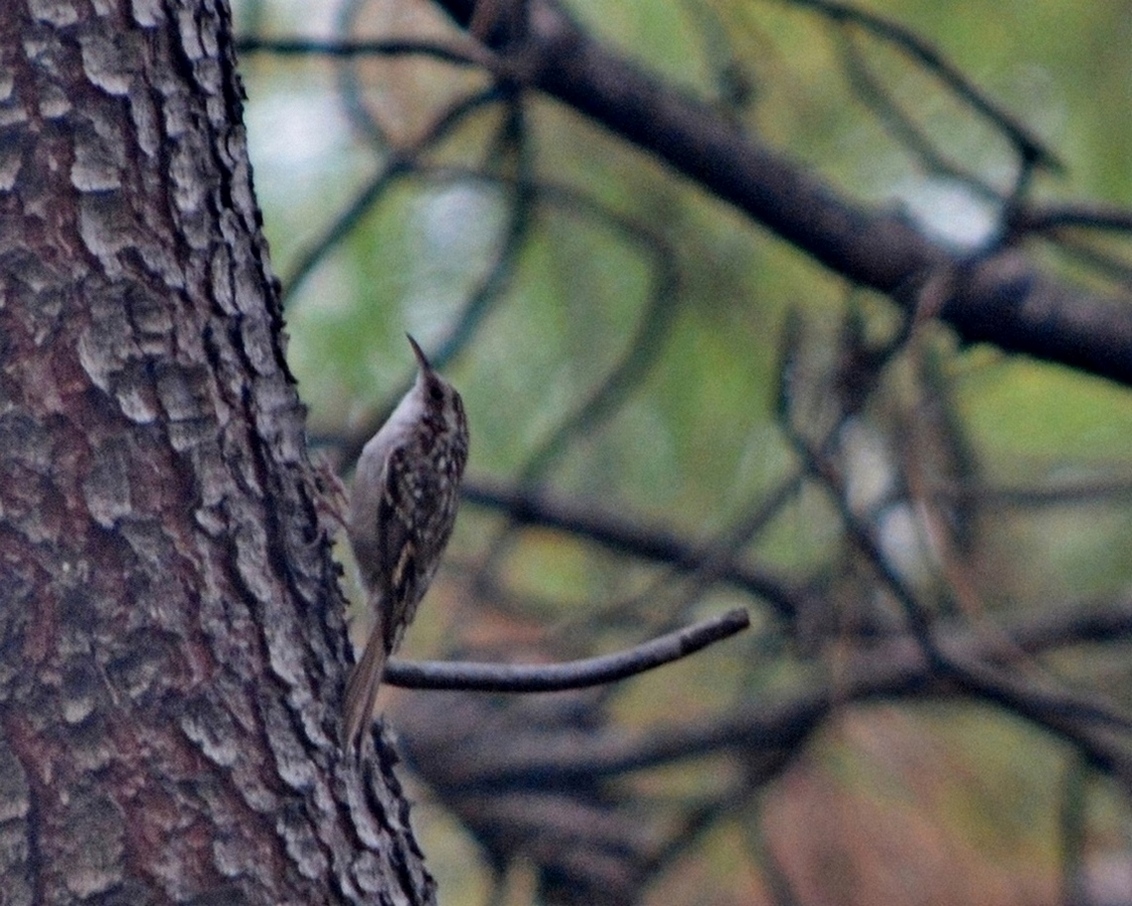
(398, 165)
(916, 48)
(1072, 820)
(1085, 216)
(620, 535)
(596, 671)
(467, 54)
(877, 97)
(1074, 492)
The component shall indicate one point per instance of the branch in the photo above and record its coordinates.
(932, 61)
(615, 533)
(896, 670)
(479, 677)
(1098, 217)
(999, 298)
(467, 54)
(874, 94)
(398, 165)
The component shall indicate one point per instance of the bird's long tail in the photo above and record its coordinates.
(361, 688)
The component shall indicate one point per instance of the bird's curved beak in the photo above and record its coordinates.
(421, 360)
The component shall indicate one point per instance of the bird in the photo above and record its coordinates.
(402, 509)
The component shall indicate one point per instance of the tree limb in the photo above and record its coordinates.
(998, 297)
(483, 677)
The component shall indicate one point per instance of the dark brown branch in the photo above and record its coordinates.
(1032, 697)
(1082, 216)
(1001, 299)
(1082, 492)
(896, 669)
(470, 676)
(465, 55)
(624, 536)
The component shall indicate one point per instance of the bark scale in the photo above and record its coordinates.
(172, 646)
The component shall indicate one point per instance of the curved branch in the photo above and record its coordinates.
(894, 670)
(934, 63)
(594, 671)
(397, 166)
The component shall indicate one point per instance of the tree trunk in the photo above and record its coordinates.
(172, 645)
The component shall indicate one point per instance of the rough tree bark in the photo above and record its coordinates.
(171, 638)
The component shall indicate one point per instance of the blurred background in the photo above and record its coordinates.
(675, 412)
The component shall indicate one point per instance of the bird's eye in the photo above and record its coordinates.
(436, 392)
